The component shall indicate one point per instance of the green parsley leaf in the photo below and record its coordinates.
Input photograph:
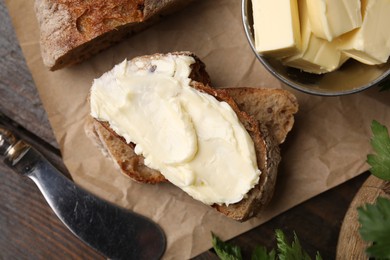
(375, 227)
(318, 256)
(260, 253)
(224, 250)
(290, 252)
(380, 141)
(294, 251)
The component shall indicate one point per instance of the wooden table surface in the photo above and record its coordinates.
(30, 229)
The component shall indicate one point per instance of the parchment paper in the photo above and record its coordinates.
(327, 146)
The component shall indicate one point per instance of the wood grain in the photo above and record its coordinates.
(316, 222)
(19, 98)
(351, 245)
(29, 228)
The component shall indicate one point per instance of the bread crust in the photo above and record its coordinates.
(266, 143)
(267, 155)
(122, 153)
(275, 108)
(73, 30)
(128, 162)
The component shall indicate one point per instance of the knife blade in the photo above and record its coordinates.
(115, 232)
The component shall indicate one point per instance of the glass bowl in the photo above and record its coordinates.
(352, 77)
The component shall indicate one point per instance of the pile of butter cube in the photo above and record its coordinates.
(318, 36)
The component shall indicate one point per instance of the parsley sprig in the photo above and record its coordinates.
(284, 251)
(224, 250)
(380, 141)
(375, 218)
(375, 227)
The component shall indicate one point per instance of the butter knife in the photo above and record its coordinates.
(115, 232)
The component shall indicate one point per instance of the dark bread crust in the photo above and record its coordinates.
(275, 108)
(268, 158)
(266, 145)
(73, 30)
(267, 154)
(129, 163)
(123, 153)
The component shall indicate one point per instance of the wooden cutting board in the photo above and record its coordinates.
(350, 244)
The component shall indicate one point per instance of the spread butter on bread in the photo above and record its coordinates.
(73, 30)
(231, 166)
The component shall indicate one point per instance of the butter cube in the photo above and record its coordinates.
(332, 18)
(317, 55)
(276, 27)
(370, 44)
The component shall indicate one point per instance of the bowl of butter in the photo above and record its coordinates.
(321, 47)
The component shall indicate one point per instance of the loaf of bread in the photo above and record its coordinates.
(72, 31)
(266, 114)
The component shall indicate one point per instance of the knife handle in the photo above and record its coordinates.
(115, 232)
(14, 150)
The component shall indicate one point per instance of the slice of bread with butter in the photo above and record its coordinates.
(158, 118)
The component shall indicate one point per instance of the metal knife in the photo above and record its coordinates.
(115, 232)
